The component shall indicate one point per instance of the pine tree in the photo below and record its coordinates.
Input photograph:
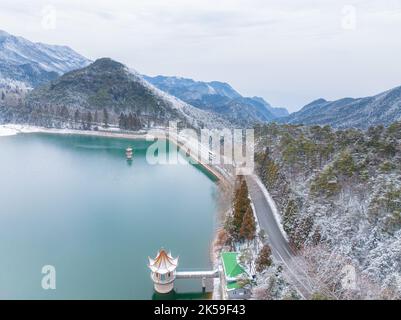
(264, 259)
(130, 121)
(241, 204)
(96, 117)
(105, 118)
(248, 227)
(137, 122)
(64, 112)
(271, 173)
(76, 116)
(303, 228)
(121, 121)
(88, 120)
(290, 215)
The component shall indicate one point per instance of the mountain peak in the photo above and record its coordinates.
(4, 36)
(18, 56)
(107, 63)
(318, 101)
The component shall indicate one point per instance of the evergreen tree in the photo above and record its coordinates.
(64, 112)
(130, 121)
(303, 228)
(248, 227)
(105, 118)
(289, 216)
(88, 120)
(241, 205)
(137, 122)
(96, 117)
(77, 115)
(121, 121)
(264, 259)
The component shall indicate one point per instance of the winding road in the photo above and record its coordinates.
(268, 219)
(281, 249)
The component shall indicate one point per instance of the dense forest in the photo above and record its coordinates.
(339, 193)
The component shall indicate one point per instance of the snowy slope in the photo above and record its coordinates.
(220, 98)
(35, 63)
(108, 84)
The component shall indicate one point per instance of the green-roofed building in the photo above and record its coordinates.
(233, 274)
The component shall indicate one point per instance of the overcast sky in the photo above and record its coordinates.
(289, 52)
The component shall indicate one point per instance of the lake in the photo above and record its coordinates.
(75, 203)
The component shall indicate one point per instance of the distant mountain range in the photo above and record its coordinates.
(384, 109)
(36, 76)
(32, 64)
(219, 97)
(25, 65)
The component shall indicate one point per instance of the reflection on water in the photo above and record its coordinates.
(181, 296)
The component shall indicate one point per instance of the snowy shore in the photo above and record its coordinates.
(13, 129)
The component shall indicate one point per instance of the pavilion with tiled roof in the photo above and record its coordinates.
(163, 271)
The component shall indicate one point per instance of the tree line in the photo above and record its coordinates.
(88, 118)
(241, 225)
(129, 121)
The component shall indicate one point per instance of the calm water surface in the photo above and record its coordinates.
(75, 203)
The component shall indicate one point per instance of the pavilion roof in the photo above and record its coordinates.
(163, 263)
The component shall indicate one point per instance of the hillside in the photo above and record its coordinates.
(339, 195)
(384, 108)
(105, 86)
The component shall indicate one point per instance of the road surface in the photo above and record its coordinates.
(278, 243)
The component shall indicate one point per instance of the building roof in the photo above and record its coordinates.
(163, 263)
(232, 269)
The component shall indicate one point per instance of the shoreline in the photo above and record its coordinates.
(14, 129)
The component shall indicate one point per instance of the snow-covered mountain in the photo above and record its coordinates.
(220, 98)
(35, 63)
(384, 108)
(25, 65)
(105, 86)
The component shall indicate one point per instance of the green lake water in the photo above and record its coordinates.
(75, 203)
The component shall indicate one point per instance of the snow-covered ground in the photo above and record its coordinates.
(13, 129)
(4, 131)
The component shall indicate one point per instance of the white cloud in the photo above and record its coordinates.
(290, 52)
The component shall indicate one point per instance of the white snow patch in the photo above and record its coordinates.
(4, 131)
(13, 129)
